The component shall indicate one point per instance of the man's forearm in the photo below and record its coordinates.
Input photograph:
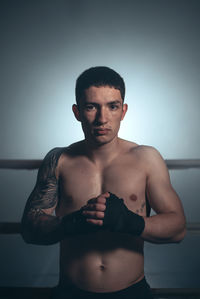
(42, 229)
(164, 228)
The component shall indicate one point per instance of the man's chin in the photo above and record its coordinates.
(101, 140)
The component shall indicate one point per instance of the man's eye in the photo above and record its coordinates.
(90, 107)
(114, 107)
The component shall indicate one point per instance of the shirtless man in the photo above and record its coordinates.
(101, 190)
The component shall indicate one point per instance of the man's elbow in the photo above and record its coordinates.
(180, 236)
(26, 236)
(180, 229)
(27, 231)
(31, 238)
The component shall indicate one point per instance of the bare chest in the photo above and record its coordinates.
(81, 181)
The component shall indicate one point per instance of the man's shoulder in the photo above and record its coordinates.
(141, 149)
(53, 160)
(60, 155)
(146, 153)
(146, 150)
(68, 150)
(50, 160)
(54, 153)
(151, 158)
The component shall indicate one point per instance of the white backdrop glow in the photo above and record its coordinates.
(154, 45)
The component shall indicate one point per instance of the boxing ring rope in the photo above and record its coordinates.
(35, 164)
(37, 292)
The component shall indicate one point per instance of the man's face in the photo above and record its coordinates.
(100, 113)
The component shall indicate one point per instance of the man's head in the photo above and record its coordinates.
(98, 76)
(100, 104)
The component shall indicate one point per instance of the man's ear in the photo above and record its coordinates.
(76, 112)
(124, 110)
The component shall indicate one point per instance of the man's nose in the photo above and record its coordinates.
(102, 115)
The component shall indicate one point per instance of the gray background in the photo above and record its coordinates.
(45, 45)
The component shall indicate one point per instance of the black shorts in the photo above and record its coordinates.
(139, 290)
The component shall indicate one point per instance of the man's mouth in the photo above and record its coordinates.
(101, 131)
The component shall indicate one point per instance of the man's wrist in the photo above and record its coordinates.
(136, 223)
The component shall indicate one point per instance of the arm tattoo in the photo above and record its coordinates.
(43, 196)
(142, 206)
(45, 193)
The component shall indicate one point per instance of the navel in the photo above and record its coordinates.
(102, 267)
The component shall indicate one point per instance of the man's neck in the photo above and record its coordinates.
(102, 153)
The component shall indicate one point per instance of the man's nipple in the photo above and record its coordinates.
(133, 197)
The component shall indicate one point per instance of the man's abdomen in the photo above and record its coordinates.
(103, 262)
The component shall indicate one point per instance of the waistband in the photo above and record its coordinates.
(140, 289)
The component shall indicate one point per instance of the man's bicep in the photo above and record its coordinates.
(162, 197)
(44, 196)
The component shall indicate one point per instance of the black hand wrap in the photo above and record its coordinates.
(75, 223)
(118, 218)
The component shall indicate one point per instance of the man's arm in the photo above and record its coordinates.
(168, 225)
(38, 224)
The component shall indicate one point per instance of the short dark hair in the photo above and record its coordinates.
(98, 76)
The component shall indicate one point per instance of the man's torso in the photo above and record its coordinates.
(103, 261)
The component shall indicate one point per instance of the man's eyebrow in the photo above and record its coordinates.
(90, 102)
(109, 103)
(115, 102)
